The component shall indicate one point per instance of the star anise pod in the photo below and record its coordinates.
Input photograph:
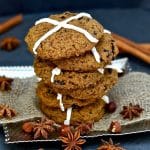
(64, 129)
(6, 111)
(28, 127)
(5, 83)
(9, 43)
(131, 111)
(72, 140)
(109, 145)
(42, 128)
(84, 128)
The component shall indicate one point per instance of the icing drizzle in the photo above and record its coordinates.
(101, 70)
(105, 98)
(68, 117)
(39, 79)
(96, 54)
(116, 66)
(107, 31)
(63, 24)
(59, 97)
(55, 71)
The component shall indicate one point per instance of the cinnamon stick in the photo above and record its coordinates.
(8, 24)
(131, 43)
(145, 45)
(134, 51)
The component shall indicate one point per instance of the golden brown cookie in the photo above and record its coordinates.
(66, 80)
(64, 43)
(93, 92)
(92, 112)
(47, 97)
(106, 48)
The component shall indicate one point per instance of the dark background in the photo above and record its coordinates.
(30, 6)
(130, 18)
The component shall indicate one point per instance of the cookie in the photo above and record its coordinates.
(64, 43)
(66, 80)
(93, 112)
(109, 78)
(106, 48)
(93, 92)
(48, 98)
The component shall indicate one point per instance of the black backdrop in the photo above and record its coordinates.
(29, 6)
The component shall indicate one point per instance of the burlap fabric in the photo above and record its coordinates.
(132, 88)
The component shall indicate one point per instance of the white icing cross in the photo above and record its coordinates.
(107, 31)
(59, 97)
(55, 71)
(39, 79)
(63, 24)
(96, 54)
(116, 65)
(105, 98)
(101, 70)
(68, 117)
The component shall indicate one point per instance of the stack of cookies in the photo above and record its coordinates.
(73, 53)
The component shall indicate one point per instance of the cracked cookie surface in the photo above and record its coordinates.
(106, 48)
(67, 80)
(109, 79)
(92, 112)
(64, 43)
(49, 98)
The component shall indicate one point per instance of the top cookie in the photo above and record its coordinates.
(64, 43)
(107, 50)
